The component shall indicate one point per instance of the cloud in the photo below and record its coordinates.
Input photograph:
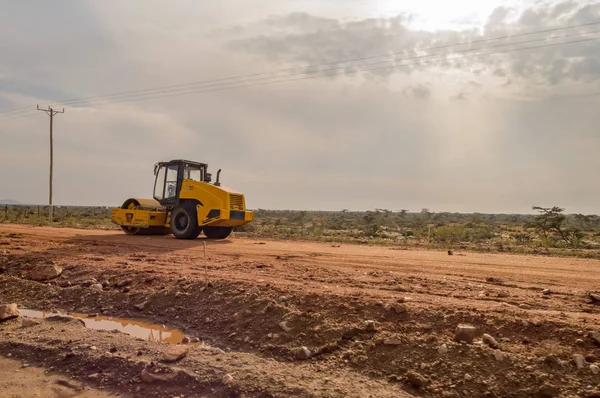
(418, 91)
(461, 96)
(305, 39)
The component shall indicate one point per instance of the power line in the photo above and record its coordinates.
(16, 109)
(318, 72)
(336, 72)
(343, 72)
(303, 68)
(331, 74)
(17, 116)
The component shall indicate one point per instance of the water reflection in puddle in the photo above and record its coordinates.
(136, 328)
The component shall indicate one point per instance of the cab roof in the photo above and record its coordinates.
(190, 162)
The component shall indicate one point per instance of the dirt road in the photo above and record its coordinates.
(291, 318)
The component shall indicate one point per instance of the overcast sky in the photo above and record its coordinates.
(498, 133)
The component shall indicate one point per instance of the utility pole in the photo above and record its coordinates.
(51, 112)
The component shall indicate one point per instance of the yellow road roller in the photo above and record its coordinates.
(185, 204)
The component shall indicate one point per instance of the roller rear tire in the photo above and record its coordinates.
(184, 221)
(217, 232)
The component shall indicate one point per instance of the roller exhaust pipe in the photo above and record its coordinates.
(217, 182)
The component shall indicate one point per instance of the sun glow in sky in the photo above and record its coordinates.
(441, 14)
(426, 14)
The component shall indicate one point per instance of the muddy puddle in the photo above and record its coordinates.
(133, 327)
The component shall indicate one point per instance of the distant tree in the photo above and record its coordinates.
(548, 220)
(403, 213)
(441, 217)
(299, 219)
(371, 223)
(425, 214)
(551, 221)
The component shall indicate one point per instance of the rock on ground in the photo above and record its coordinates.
(26, 322)
(399, 308)
(465, 333)
(492, 279)
(579, 361)
(392, 342)
(552, 360)
(489, 340)
(8, 311)
(124, 282)
(228, 379)
(142, 306)
(284, 326)
(303, 353)
(443, 349)
(498, 355)
(416, 380)
(148, 377)
(548, 390)
(44, 272)
(175, 353)
(595, 369)
(255, 291)
(369, 326)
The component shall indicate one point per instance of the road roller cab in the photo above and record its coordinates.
(185, 204)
